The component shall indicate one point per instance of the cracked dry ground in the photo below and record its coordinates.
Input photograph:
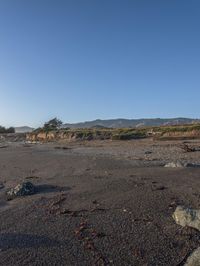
(96, 206)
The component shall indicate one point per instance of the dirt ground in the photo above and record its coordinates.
(97, 203)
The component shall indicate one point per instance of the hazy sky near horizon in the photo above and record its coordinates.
(86, 59)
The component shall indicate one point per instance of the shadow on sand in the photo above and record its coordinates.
(15, 240)
(46, 188)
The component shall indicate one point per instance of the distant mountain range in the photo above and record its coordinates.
(121, 123)
(24, 129)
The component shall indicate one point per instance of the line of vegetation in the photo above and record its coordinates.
(177, 128)
(128, 134)
(51, 125)
(4, 130)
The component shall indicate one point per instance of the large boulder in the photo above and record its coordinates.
(194, 258)
(187, 217)
(23, 189)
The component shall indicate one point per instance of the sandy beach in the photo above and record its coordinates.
(97, 203)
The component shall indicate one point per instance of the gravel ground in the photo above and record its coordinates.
(97, 203)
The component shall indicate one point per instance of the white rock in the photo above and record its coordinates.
(187, 217)
(194, 258)
(174, 165)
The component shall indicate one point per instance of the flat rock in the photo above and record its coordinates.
(194, 258)
(187, 217)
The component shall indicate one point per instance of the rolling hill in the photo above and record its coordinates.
(126, 123)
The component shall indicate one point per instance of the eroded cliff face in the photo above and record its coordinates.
(52, 136)
(72, 135)
(43, 136)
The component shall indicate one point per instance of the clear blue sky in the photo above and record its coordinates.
(86, 59)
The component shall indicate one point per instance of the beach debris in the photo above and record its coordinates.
(148, 152)
(186, 148)
(73, 213)
(27, 145)
(187, 217)
(62, 148)
(160, 188)
(80, 212)
(194, 258)
(138, 252)
(32, 177)
(95, 202)
(55, 205)
(23, 189)
(3, 147)
(146, 219)
(87, 235)
(174, 165)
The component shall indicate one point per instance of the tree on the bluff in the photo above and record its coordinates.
(52, 124)
(7, 130)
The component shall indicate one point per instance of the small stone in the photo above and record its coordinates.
(194, 258)
(23, 189)
(187, 217)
